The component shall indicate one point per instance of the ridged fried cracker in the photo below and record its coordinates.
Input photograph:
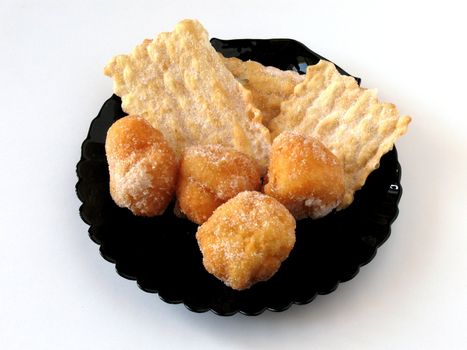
(181, 86)
(269, 86)
(349, 120)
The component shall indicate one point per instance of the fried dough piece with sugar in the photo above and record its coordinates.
(179, 83)
(349, 120)
(209, 176)
(304, 176)
(246, 239)
(142, 167)
(269, 86)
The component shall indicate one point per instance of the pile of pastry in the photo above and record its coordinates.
(244, 149)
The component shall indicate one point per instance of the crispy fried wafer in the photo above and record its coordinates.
(181, 86)
(349, 120)
(269, 86)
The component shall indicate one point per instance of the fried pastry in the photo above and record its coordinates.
(304, 176)
(142, 167)
(269, 86)
(209, 176)
(246, 239)
(349, 120)
(179, 83)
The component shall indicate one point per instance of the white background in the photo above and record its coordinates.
(56, 292)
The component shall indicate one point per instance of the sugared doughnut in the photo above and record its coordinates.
(209, 176)
(304, 176)
(142, 167)
(246, 239)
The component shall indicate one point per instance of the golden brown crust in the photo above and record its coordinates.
(142, 167)
(347, 119)
(181, 86)
(246, 239)
(195, 201)
(304, 176)
(210, 175)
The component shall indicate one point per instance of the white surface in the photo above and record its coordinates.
(56, 292)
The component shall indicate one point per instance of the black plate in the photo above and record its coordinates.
(162, 255)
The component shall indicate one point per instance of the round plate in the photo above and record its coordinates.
(162, 254)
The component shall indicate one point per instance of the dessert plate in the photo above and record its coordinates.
(162, 254)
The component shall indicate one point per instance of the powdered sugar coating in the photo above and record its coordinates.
(349, 120)
(210, 175)
(142, 167)
(246, 239)
(304, 176)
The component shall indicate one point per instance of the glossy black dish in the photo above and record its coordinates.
(162, 255)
